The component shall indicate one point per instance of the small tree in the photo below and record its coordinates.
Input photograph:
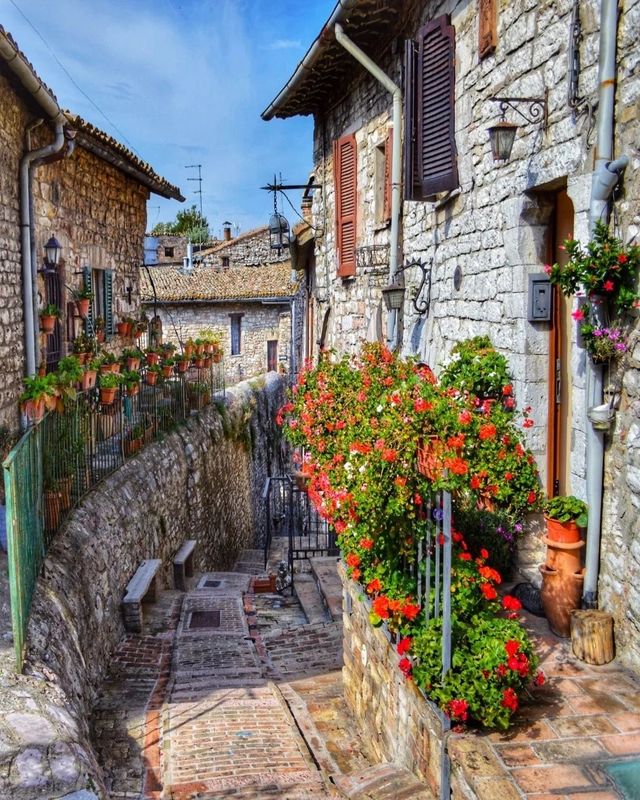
(188, 222)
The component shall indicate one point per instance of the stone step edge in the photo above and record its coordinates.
(331, 600)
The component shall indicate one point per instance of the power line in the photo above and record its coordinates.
(68, 74)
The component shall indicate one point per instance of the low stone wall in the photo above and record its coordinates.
(204, 482)
(399, 724)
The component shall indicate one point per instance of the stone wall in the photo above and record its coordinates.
(260, 323)
(177, 244)
(13, 118)
(496, 230)
(203, 481)
(249, 249)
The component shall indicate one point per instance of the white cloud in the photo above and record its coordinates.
(285, 44)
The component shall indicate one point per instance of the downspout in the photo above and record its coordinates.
(606, 175)
(396, 163)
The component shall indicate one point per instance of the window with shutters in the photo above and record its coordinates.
(430, 156)
(346, 198)
(383, 181)
(100, 283)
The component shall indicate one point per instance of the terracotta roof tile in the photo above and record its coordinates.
(231, 242)
(205, 283)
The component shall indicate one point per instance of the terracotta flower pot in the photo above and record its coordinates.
(562, 531)
(206, 363)
(183, 366)
(198, 363)
(560, 595)
(104, 368)
(151, 378)
(83, 357)
(33, 410)
(167, 372)
(152, 358)
(217, 357)
(188, 350)
(564, 556)
(88, 379)
(430, 463)
(133, 363)
(108, 395)
(47, 324)
(115, 367)
(133, 389)
(122, 328)
(83, 307)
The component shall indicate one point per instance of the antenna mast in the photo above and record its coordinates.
(198, 191)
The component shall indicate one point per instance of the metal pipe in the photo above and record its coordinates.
(396, 162)
(605, 177)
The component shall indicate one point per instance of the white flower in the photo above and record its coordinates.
(379, 409)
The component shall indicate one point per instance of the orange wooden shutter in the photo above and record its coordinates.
(388, 156)
(345, 167)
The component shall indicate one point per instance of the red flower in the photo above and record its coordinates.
(484, 553)
(531, 497)
(353, 560)
(405, 667)
(528, 423)
(508, 476)
(458, 709)
(512, 647)
(380, 607)
(400, 480)
(456, 441)
(622, 259)
(374, 586)
(389, 455)
(488, 591)
(404, 645)
(475, 482)
(501, 670)
(420, 405)
(508, 389)
(465, 417)
(464, 556)
(539, 679)
(457, 465)
(509, 403)
(395, 606)
(410, 610)
(487, 431)
(355, 574)
(457, 537)
(578, 314)
(366, 544)
(490, 574)
(510, 603)
(608, 286)
(417, 499)
(509, 699)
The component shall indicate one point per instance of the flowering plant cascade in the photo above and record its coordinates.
(361, 421)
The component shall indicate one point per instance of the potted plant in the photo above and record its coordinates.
(167, 349)
(48, 317)
(182, 364)
(565, 515)
(133, 442)
(83, 298)
(198, 361)
(99, 327)
(153, 370)
(39, 395)
(189, 348)
(152, 355)
(167, 367)
(131, 382)
(124, 327)
(133, 357)
(89, 374)
(109, 363)
(108, 383)
(139, 327)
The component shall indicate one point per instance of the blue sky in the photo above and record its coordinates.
(183, 82)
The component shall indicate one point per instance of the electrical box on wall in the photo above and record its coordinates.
(540, 298)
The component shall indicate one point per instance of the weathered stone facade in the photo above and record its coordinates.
(485, 238)
(203, 482)
(13, 118)
(169, 249)
(259, 324)
(246, 250)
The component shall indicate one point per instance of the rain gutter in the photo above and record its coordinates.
(396, 163)
(606, 175)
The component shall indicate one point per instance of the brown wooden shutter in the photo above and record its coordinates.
(388, 157)
(409, 178)
(487, 27)
(437, 158)
(345, 171)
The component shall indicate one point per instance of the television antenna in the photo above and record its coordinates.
(198, 191)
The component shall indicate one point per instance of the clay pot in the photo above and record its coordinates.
(562, 531)
(122, 328)
(151, 378)
(183, 366)
(88, 379)
(152, 358)
(107, 395)
(133, 363)
(47, 324)
(430, 462)
(33, 410)
(564, 556)
(83, 307)
(133, 389)
(198, 363)
(561, 593)
(167, 372)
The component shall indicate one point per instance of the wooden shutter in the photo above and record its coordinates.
(487, 27)
(88, 284)
(412, 189)
(388, 157)
(109, 322)
(345, 172)
(436, 143)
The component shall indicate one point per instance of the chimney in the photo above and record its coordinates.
(226, 231)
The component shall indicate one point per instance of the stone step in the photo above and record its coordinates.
(382, 782)
(325, 573)
(308, 594)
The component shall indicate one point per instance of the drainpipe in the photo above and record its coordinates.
(605, 177)
(396, 163)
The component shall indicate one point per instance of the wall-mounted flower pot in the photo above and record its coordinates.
(115, 367)
(133, 363)
(33, 410)
(47, 324)
(151, 378)
(152, 358)
(183, 366)
(567, 532)
(122, 328)
(133, 389)
(198, 363)
(108, 395)
(560, 595)
(88, 379)
(83, 307)
(167, 372)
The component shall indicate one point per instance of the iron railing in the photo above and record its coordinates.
(62, 457)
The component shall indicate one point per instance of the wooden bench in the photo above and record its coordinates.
(143, 586)
(183, 564)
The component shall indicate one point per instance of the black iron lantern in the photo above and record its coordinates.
(52, 250)
(502, 136)
(278, 231)
(393, 295)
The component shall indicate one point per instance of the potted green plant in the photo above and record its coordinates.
(108, 383)
(83, 298)
(133, 442)
(139, 327)
(133, 357)
(189, 348)
(153, 370)
(565, 515)
(182, 363)
(90, 373)
(99, 327)
(39, 395)
(131, 382)
(152, 355)
(123, 327)
(167, 367)
(48, 317)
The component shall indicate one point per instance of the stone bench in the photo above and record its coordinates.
(143, 586)
(183, 564)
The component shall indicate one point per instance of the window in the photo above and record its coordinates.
(225, 261)
(272, 355)
(430, 158)
(100, 282)
(383, 180)
(236, 327)
(345, 180)
(168, 252)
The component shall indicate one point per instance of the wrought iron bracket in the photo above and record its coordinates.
(424, 306)
(537, 107)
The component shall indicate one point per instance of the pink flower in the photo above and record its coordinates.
(547, 268)
(578, 314)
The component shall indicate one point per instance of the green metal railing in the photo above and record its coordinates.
(62, 457)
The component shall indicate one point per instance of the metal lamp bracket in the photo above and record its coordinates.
(424, 306)
(537, 108)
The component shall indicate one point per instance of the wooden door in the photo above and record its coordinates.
(560, 384)
(272, 355)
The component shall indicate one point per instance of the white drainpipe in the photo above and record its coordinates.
(605, 176)
(396, 162)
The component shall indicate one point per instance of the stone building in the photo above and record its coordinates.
(253, 309)
(88, 191)
(167, 250)
(247, 250)
(482, 227)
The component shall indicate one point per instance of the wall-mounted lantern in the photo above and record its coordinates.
(393, 293)
(279, 237)
(503, 133)
(52, 251)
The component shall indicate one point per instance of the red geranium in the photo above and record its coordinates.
(510, 603)
(488, 591)
(509, 699)
(404, 645)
